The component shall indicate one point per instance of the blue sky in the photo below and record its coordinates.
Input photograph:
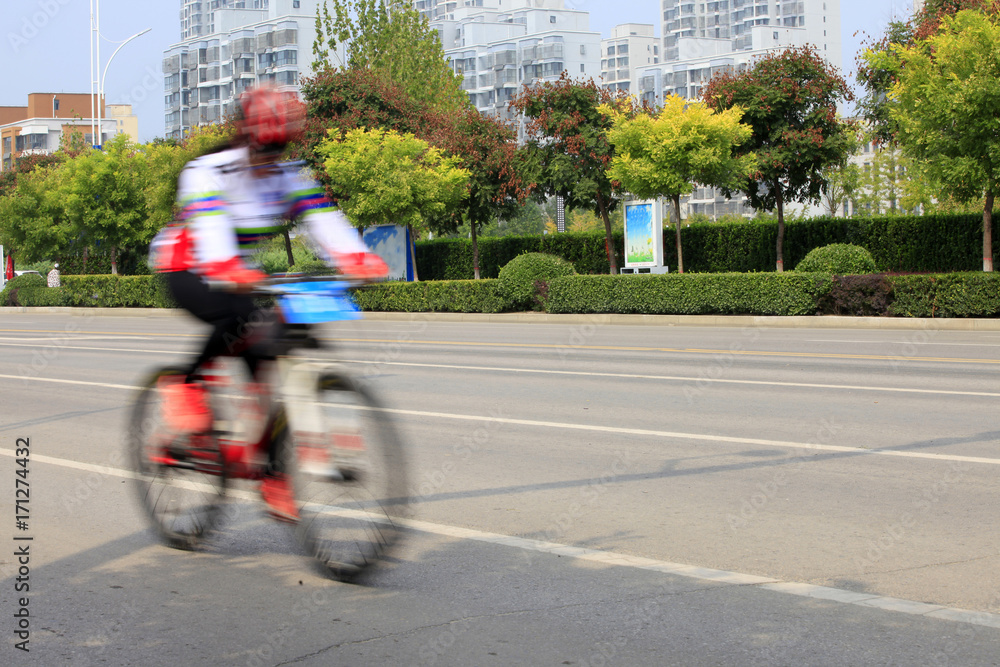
(47, 43)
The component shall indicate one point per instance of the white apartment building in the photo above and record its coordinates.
(745, 24)
(198, 16)
(701, 39)
(631, 45)
(500, 45)
(238, 44)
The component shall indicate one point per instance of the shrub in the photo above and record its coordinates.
(10, 291)
(117, 291)
(522, 277)
(838, 258)
(863, 295)
(42, 296)
(457, 296)
(690, 294)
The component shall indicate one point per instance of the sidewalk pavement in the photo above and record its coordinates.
(765, 321)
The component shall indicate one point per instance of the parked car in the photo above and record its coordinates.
(26, 273)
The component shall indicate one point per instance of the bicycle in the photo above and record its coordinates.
(340, 449)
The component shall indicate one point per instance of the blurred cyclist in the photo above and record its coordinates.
(230, 200)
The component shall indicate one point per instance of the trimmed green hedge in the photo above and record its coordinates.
(704, 294)
(938, 243)
(946, 295)
(451, 259)
(446, 296)
(116, 291)
(42, 296)
(11, 294)
(971, 294)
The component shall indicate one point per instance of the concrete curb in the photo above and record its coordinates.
(761, 321)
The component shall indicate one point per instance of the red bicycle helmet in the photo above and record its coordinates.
(270, 119)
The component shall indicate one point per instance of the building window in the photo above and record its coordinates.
(774, 35)
(583, 49)
(582, 67)
(295, 4)
(552, 19)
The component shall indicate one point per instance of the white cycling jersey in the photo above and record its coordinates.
(228, 207)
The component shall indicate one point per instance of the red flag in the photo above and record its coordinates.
(9, 273)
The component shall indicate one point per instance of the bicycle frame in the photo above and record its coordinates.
(293, 384)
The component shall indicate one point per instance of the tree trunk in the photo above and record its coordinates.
(781, 228)
(413, 253)
(988, 233)
(114, 261)
(288, 250)
(608, 242)
(677, 217)
(475, 250)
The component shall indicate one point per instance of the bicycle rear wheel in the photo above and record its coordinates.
(180, 477)
(349, 480)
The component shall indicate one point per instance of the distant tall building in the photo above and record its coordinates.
(230, 45)
(198, 16)
(705, 38)
(631, 45)
(500, 45)
(752, 24)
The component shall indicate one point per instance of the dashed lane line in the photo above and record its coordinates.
(619, 430)
(613, 559)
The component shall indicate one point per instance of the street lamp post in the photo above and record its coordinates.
(96, 132)
(100, 90)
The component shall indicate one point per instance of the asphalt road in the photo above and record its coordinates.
(583, 495)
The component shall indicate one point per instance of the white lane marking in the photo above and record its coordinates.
(614, 559)
(35, 339)
(701, 436)
(900, 342)
(681, 378)
(629, 376)
(784, 444)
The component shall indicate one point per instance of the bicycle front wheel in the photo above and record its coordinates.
(349, 480)
(180, 477)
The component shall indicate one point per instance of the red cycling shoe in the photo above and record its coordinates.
(277, 494)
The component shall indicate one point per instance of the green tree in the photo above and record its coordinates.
(104, 198)
(383, 176)
(790, 100)
(568, 147)
(663, 155)
(487, 148)
(391, 38)
(946, 105)
(33, 223)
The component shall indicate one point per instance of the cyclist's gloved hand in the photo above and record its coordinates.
(234, 274)
(362, 265)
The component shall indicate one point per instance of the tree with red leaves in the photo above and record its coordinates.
(568, 146)
(790, 100)
(497, 185)
(341, 100)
